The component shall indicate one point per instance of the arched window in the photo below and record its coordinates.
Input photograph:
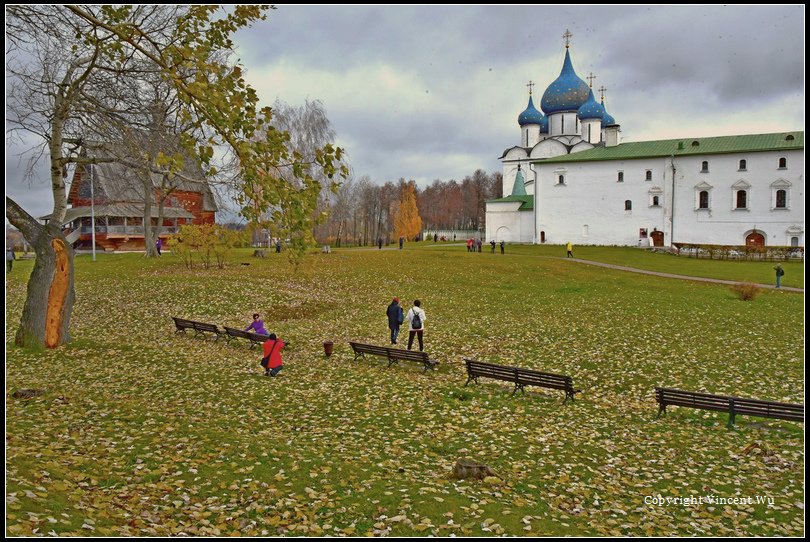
(704, 167)
(742, 196)
(648, 175)
(703, 199)
(620, 178)
(781, 199)
(742, 165)
(561, 179)
(628, 205)
(794, 241)
(655, 201)
(782, 163)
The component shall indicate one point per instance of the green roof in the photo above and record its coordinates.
(687, 147)
(527, 202)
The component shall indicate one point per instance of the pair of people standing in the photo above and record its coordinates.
(416, 322)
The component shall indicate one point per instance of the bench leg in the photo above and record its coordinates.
(662, 409)
(470, 379)
(358, 355)
(518, 387)
(568, 395)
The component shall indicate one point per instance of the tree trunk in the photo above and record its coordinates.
(148, 233)
(49, 303)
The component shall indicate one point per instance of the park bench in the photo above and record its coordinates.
(254, 338)
(200, 328)
(520, 377)
(733, 405)
(394, 355)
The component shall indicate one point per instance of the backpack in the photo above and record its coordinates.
(416, 322)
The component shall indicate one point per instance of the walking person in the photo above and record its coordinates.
(416, 324)
(503, 245)
(569, 247)
(10, 257)
(278, 246)
(401, 242)
(272, 355)
(158, 245)
(379, 243)
(779, 274)
(492, 244)
(395, 319)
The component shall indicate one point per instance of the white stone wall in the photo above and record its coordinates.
(589, 208)
(505, 223)
(723, 223)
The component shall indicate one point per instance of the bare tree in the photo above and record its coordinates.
(66, 64)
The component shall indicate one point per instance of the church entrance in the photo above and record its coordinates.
(755, 239)
(657, 238)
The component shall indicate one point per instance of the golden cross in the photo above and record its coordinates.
(567, 37)
(590, 79)
(602, 89)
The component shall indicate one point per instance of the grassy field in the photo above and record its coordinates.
(145, 432)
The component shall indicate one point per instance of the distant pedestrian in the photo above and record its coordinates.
(569, 247)
(435, 237)
(416, 324)
(379, 243)
(395, 319)
(503, 245)
(779, 274)
(478, 244)
(10, 257)
(158, 245)
(492, 244)
(401, 242)
(272, 355)
(469, 245)
(278, 246)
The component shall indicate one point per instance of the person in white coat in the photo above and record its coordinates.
(416, 324)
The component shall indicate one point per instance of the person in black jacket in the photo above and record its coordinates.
(395, 319)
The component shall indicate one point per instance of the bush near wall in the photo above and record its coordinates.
(739, 252)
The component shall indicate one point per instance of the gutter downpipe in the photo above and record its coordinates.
(534, 206)
(672, 208)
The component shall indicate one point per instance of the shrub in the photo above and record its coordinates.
(746, 291)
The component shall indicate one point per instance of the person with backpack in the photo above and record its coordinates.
(395, 319)
(416, 324)
(272, 355)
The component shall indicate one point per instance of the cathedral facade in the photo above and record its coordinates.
(571, 179)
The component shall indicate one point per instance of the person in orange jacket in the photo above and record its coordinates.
(272, 355)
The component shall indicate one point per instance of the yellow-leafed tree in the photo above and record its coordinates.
(408, 223)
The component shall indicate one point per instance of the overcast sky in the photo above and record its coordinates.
(426, 92)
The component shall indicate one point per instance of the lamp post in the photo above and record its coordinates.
(93, 211)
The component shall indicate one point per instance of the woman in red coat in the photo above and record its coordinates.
(272, 355)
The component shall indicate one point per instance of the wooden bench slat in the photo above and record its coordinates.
(732, 405)
(393, 355)
(521, 377)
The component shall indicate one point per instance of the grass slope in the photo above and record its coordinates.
(145, 432)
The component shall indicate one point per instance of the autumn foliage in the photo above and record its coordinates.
(407, 222)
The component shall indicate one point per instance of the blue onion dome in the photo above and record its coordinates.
(607, 120)
(591, 109)
(544, 125)
(567, 93)
(530, 115)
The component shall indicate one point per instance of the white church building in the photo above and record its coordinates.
(570, 179)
